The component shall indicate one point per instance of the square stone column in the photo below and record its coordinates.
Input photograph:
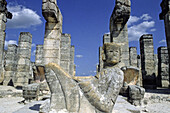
(133, 56)
(147, 61)
(163, 67)
(24, 55)
(165, 15)
(10, 65)
(65, 52)
(53, 31)
(72, 66)
(4, 14)
(39, 55)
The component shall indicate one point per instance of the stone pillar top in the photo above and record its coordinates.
(51, 12)
(165, 5)
(146, 36)
(25, 37)
(3, 9)
(66, 35)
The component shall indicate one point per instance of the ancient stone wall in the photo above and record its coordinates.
(65, 52)
(10, 65)
(39, 55)
(24, 55)
(165, 15)
(53, 31)
(4, 14)
(147, 60)
(118, 28)
(133, 56)
(163, 67)
(106, 38)
(72, 66)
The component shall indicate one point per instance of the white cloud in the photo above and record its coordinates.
(146, 17)
(133, 19)
(79, 56)
(137, 26)
(10, 42)
(22, 17)
(162, 41)
(152, 30)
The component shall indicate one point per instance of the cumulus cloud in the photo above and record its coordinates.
(10, 42)
(137, 26)
(162, 41)
(79, 56)
(22, 17)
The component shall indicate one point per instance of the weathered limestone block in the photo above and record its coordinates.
(64, 91)
(101, 65)
(136, 94)
(163, 67)
(10, 64)
(65, 52)
(39, 55)
(147, 59)
(72, 66)
(165, 15)
(4, 14)
(102, 90)
(23, 55)
(133, 56)
(131, 77)
(31, 92)
(106, 38)
(53, 30)
(118, 27)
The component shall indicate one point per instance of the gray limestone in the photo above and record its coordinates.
(106, 38)
(31, 92)
(163, 67)
(72, 66)
(53, 31)
(39, 55)
(165, 15)
(147, 59)
(133, 56)
(65, 52)
(64, 91)
(4, 14)
(140, 71)
(118, 27)
(136, 94)
(10, 65)
(24, 55)
(101, 65)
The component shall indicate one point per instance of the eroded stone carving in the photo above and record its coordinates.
(101, 91)
(4, 14)
(53, 31)
(118, 28)
(165, 15)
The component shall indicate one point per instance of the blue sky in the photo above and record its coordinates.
(87, 21)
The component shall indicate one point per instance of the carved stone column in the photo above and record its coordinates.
(4, 14)
(53, 31)
(165, 15)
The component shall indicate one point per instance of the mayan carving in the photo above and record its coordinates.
(4, 14)
(118, 27)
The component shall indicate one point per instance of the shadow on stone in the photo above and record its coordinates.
(36, 107)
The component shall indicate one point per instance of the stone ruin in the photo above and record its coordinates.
(54, 69)
(164, 15)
